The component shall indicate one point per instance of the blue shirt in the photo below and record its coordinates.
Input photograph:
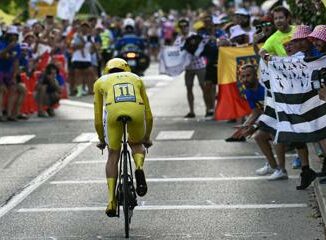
(220, 33)
(60, 80)
(255, 97)
(314, 52)
(6, 64)
(24, 60)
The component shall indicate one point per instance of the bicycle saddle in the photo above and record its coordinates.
(124, 119)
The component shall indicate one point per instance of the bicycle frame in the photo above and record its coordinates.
(125, 177)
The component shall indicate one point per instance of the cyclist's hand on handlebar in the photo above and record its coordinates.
(101, 146)
(147, 143)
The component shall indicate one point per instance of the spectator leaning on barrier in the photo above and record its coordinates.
(255, 94)
(318, 38)
(274, 46)
(10, 52)
(300, 44)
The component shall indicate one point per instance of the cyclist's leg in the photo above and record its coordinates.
(115, 132)
(136, 131)
(138, 154)
(136, 134)
(111, 178)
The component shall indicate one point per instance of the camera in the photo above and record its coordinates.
(318, 78)
(259, 29)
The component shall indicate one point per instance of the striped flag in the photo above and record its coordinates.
(268, 120)
(301, 114)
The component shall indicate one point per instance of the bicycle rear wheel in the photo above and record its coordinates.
(126, 197)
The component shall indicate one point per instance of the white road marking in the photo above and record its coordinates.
(168, 135)
(19, 139)
(163, 180)
(186, 159)
(44, 176)
(170, 207)
(86, 137)
(210, 202)
(76, 103)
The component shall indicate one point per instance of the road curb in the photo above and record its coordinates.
(319, 189)
(320, 196)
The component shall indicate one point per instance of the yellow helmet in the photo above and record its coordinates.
(116, 63)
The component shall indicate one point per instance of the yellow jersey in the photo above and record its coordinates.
(123, 93)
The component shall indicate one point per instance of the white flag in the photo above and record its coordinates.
(173, 61)
(67, 9)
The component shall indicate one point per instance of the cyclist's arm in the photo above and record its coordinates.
(98, 111)
(148, 111)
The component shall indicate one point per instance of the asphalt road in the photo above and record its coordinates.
(200, 187)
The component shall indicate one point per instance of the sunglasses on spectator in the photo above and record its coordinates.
(183, 25)
(266, 24)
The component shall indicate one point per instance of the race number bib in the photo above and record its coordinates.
(124, 92)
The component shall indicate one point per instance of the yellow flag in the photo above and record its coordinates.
(43, 9)
(231, 59)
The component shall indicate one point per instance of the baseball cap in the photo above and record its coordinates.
(242, 11)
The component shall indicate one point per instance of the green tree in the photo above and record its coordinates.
(306, 13)
(122, 7)
(13, 6)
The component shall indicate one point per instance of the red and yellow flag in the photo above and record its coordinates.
(231, 103)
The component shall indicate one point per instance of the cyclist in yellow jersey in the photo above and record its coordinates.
(122, 93)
